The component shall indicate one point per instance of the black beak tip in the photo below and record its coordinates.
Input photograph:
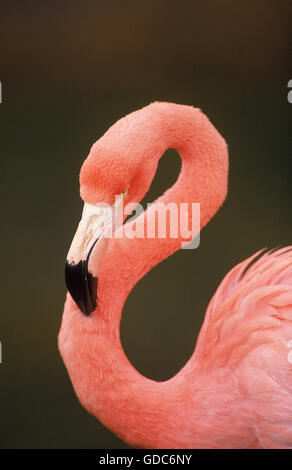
(82, 286)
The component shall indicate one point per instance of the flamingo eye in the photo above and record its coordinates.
(124, 193)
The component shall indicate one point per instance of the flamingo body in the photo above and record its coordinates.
(236, 389)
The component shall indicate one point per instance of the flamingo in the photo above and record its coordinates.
(235, 391)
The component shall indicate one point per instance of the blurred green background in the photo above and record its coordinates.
(68, 71)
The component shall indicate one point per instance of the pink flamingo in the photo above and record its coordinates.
(236, 389)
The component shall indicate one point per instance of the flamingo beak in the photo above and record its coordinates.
(96, 220)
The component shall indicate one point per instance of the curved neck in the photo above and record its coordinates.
(202, 179)
(138, 409)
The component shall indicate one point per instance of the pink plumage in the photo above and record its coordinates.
(236, 389)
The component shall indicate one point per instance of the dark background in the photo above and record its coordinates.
(68, 71)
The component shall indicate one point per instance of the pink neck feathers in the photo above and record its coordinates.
(138, 409)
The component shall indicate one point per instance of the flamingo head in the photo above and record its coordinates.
(110, 175)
